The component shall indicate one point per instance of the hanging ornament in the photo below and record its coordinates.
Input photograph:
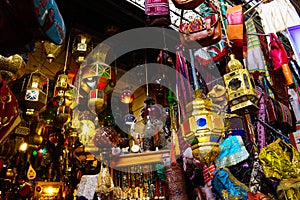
(81, 47)
(126, 95)
(91, 83)
(203, 128)
(36, 93)
(106, 137)
(52, 50)
(241, 93)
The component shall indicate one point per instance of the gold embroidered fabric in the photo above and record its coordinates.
(289, 189)
(280, 160)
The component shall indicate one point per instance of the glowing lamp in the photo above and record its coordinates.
(203, 128)
(240, 88)
(36, 93)
(126, 95)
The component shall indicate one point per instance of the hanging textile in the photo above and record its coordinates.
(261, 132)
(184, 90)
(277, 15)
(255, 59)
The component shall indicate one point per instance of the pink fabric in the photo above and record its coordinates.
(235, 18)
(157, 7)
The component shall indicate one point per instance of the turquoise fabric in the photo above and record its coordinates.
(232, 151)
(223, 180)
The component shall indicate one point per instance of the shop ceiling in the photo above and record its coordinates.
(98, 18)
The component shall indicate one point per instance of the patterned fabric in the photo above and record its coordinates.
(228, 187)
(208, 173)
(9, 114)
(279, 162)
(50, 20)
(261, 132)
(255, 58)
(232, 151)
(176, 183)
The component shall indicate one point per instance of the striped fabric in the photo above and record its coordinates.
(255, 59)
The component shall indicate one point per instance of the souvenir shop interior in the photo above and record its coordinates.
(150, 99)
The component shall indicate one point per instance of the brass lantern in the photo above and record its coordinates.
(240, 88)
(36, 93)
(52, 50)
(61, 86)
(203, 128)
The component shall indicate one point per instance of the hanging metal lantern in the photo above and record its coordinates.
(241, 93)
(203, 128)
(81, 48)
(61, 85)
(36, 93)
(52, 50)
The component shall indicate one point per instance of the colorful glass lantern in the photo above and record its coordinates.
(127, 95)
(36, 93)
(91, 83)
(241, 93)
(203, 128)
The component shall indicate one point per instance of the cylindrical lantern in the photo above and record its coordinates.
(36, 93)
(241, 93)
(203, 128)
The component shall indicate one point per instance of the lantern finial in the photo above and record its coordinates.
(234, 64)
(198, 93)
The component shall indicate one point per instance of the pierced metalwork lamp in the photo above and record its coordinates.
(240, 88)
(36, 93)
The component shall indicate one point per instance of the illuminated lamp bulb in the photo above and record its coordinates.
(127, 95)
(23, 147)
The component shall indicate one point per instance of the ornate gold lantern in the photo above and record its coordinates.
(36, 93)
(203, 128)
(240, 88)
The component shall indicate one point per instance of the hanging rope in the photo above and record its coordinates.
(67, 52)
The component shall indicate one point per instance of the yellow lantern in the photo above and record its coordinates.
(36, 93)
(240, 88)
(203, 128)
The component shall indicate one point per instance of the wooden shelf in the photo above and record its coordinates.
(139, 158)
